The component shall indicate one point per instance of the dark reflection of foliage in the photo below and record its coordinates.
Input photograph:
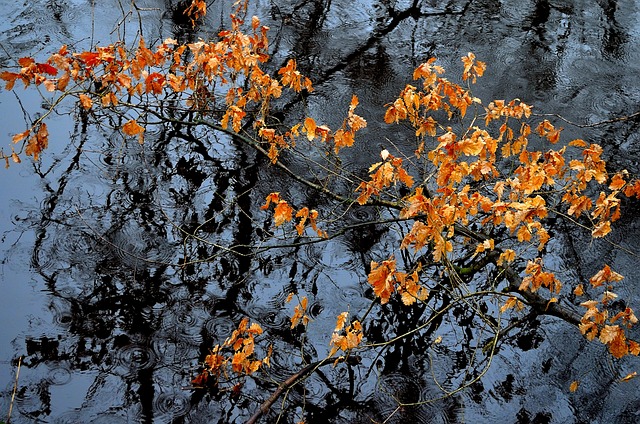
(614, 40)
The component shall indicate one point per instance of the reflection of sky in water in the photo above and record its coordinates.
(580, 61)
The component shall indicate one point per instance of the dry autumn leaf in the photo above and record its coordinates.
(86, 101)
(132, 128)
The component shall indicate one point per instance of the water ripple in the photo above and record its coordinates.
(170, 405)
(132, 358)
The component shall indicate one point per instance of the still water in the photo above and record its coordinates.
(110, 330)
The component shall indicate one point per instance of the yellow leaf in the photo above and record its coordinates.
(629, 376)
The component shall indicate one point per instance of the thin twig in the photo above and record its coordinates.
(595, 124)
(15, 389)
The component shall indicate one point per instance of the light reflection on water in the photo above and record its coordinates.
(110, 327)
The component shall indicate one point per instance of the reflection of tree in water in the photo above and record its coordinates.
(144, 283)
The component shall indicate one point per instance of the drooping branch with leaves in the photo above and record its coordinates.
(468, 209)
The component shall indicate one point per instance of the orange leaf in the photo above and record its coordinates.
(342, 319)
(10, 78)
(132, 128)
(601, 230)
(605, 275)
(86, 101)
(283, 213)
(63, 81)
(506, 256)
(47, 69)
(25, 62)
(90, 59)
(618, 346)
(272, 197)
(18, 137)
(381, 279)
(310, 128)
(574, 386)
(38, 142)
(617, 182)
(609, 333)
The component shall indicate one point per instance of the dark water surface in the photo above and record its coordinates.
(110, 330)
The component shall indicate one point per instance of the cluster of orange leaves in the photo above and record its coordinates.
(386, 280)
(196, 10)
(517, 203)
(383, 174)
(340, 138)
(237, 353)
(111, 73)
(458, 159)
(299, 311)
(345, 338)
(283, 212)
(598, 323)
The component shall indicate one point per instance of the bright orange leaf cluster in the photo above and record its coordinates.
(341, 138)
(283, 212)
(345, 339)
(383, 174)
(386, 279)
(196, 10)
(299, 311)
(237, 352)
(597, 323)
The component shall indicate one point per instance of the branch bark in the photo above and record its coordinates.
(292, 381)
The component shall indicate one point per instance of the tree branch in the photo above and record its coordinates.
(293, 380)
